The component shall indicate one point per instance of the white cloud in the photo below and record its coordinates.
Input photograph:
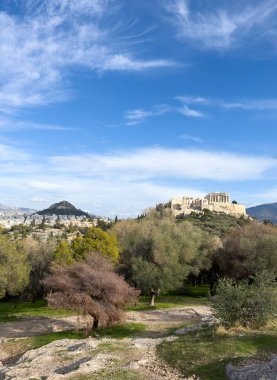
(153, 163)
(38, 199)
(192, 138)
(9, 153)
(258, 104)
(246, 104)
(223, 27)
(124, 182)
(45, 39)
(12, 124)
(136, 116)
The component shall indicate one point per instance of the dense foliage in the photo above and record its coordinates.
(248, 251)
(14, 268)
(158, 253)
(40, 255)
(250, 304)
(94, 240)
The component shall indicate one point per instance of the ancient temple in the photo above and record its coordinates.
(216, 202)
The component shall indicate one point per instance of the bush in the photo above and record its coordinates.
(246, 304)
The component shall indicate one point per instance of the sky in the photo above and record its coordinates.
(116, 105)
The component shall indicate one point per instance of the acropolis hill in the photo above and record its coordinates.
(216, 202)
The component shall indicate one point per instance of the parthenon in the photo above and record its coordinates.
(216, 201)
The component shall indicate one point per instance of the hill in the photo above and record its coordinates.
(63, 208)
(214, 222)
(11, 209)
(262, 212)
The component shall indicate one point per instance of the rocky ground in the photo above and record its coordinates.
(132, 358)
(70, 358)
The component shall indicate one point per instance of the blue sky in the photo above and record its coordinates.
(116, 105)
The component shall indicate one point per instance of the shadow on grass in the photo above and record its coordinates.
(119, 331)
(7, 318)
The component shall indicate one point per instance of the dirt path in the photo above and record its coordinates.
(30, 326)
(67, 358)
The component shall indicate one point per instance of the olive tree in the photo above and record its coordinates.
(248, 251)
(158, 253)
(14, 268)
(40, 255)
(250, 304)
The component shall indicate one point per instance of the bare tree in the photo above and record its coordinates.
(90, 287)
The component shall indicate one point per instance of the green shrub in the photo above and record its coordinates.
(243, 303)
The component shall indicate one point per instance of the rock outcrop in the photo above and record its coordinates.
(58, 360)
(259, 371)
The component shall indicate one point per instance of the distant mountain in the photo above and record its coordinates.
(10, 209)
(264, 212)
(63, 208)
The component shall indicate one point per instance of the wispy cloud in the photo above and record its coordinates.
(262, 104)
(149, 163)
(192, 138)
(246, 104)
(42, 42)
(12, 124)
(197, 106)
(223, 26)
(136, 116)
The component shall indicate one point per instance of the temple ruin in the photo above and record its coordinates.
(216, 202)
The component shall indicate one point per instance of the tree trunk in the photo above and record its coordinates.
(152, 300)
(95, 324)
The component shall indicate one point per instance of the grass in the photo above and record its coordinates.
(9, 312)
(119, 331)
(116, 374)
(196, 296)
(205, 353)
(7, 318)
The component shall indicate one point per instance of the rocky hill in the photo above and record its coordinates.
(262, 212)
(63, 208)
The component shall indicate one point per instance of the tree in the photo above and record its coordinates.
(14, 269)
(90, 287)
(96, 240)
(40, 257)
(248, 251)
(63, 253)
(248, 304)
(158, 253)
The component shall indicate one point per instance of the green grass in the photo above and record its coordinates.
(7, 318)
(120, 331)
(197, 291)
(206, 353)
(194, 296)
(168, 301)
(26, 308)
